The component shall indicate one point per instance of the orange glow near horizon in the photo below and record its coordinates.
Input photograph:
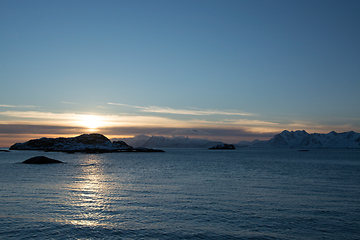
(26, 125)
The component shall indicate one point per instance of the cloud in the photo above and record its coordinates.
(193, 112)
(196, 112)
(39, 115)
(37, 129)
(8, 106)
(16, 106)
(125, 105)
(43, 118)
(71, 103)
(74, 119)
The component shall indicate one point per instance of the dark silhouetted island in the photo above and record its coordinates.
(41, 160)
(223, 146)
(85, 143)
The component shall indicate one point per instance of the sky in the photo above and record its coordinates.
(219, 70)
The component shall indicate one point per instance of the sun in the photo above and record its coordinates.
(91, 121)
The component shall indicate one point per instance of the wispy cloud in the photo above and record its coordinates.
(71, 103)
(8, 106)
(39, 115)
(125, 105)
(16, 106)
(195, 112)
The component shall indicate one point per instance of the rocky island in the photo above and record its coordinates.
(41, 160)
(85, 143)
(223, 146)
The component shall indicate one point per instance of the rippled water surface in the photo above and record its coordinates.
(182, 194)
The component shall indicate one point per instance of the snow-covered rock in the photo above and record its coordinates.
(93, 142)
(82, 142)
(302, 139)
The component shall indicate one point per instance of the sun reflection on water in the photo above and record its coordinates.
(88, 194)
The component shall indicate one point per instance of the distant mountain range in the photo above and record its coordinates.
(168, 142)
(302, 139)
(286, 139)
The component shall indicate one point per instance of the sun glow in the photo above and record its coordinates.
(91, 121)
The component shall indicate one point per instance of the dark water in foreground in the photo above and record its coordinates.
(182, 194)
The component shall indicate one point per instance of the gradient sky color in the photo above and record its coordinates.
(224, 70)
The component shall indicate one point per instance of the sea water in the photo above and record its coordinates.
(246, 193)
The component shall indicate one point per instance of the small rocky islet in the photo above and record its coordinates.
(41, 160)
(224, 146)
(85, 143)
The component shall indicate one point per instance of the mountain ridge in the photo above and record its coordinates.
(285, 139)
(302, 139)
(169, 142)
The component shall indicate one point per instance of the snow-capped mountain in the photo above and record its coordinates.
(302, 139)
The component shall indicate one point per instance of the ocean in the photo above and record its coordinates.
(247, 193)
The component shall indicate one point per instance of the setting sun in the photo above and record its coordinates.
(91, 121)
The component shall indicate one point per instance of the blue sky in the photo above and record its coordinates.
(229, 70)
